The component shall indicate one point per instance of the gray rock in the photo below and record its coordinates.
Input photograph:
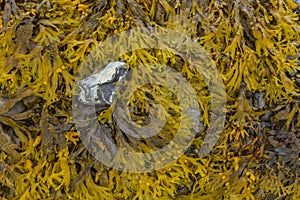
(100, 88)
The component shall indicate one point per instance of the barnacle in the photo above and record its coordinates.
(255, 46)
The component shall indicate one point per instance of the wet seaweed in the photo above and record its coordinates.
(255, 45)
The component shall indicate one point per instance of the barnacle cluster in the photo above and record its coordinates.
(255, 46)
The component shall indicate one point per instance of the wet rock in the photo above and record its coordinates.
(100, 88)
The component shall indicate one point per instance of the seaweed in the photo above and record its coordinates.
(255, 46)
